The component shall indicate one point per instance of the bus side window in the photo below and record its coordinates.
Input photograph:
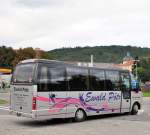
(112, 81)
(57, 79)
(78, 79)
(125, 85)
(125, 82)
(42, 78)
(97, 80)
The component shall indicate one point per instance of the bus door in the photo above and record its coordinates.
(126, 93)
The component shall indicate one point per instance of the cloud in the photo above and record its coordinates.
(35, 3)
(43, 3)
(53, 24)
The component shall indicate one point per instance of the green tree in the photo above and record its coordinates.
(141, 73)
(144, 71)
(22, 54)
(111, 54)
(49, 56)
(7, 54)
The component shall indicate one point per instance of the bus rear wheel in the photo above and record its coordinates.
(80, 115)
(135, 109)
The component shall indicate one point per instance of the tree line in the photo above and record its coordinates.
(143, 69)
(10, 57)
(112, 54)
(107, 54)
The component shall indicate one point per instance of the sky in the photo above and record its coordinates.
(51, 24)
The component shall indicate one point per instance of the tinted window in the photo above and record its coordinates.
(23, 73)
(97, 80)
(125, 85)
(51, 79)
(57, 79)
(125, 82)
(112, 80)
(42, 78)
(43, 74)
(78, 79)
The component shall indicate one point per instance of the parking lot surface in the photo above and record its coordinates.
(101, 125)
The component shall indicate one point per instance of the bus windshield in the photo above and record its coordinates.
(23, 73)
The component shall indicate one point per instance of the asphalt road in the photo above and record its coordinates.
(101, 125)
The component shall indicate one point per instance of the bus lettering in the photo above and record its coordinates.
(113, 96)
(90, 97)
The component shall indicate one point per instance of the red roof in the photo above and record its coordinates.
(126, 63)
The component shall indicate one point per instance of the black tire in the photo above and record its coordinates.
(80, 115)
(135, 109)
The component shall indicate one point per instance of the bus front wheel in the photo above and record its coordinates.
(80, 115)
(135, 109)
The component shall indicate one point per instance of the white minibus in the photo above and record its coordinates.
(46, 89)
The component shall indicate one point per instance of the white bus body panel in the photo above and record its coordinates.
(125, 105)
(95, 102)
(21, 98)
(51, 107)
(65, 104)
(136, 97)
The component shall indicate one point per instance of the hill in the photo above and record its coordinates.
(111, 54)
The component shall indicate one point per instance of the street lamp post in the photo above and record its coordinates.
(136, 72)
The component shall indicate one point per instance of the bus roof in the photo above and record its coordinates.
(37, 60)
(65, 63)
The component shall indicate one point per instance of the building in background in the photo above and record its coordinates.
(127, 63)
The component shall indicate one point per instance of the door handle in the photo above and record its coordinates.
(127, 100)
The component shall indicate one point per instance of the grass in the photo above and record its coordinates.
(146, 94)
(3, 101)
